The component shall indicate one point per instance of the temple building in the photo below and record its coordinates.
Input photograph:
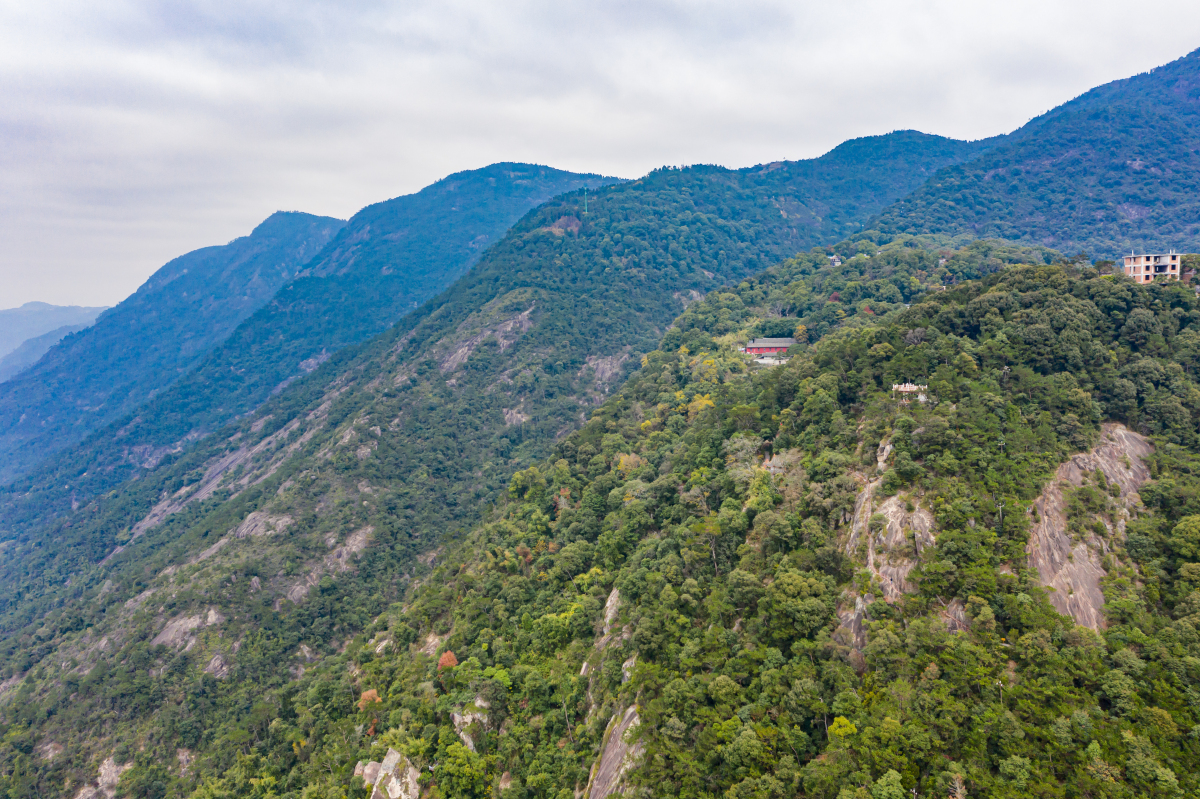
(768, 346)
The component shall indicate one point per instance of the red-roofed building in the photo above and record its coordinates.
(768, 346)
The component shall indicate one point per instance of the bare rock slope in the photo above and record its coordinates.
(1070, 566)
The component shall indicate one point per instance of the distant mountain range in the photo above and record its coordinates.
(1116, 169)
(36, 319)
(217, 318)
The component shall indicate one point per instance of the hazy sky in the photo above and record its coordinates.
(132, 131)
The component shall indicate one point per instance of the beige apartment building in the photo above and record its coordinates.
(1144, 268)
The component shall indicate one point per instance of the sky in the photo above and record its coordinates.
(133, 131)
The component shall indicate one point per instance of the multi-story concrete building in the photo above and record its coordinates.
(1145, 268)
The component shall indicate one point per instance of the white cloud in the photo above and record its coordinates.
(134, 131)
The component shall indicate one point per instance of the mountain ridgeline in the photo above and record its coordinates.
(337, 285)
(34, 319)
(672, 233)
(1116, 169)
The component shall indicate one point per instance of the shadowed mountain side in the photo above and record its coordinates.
(144, 344)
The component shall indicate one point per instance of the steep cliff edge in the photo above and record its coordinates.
(1070, 564)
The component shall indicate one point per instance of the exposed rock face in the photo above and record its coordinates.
(616, 758)
(480, 326)
(180, 631)
(514, 416)
(468, 717)
(1072, 568)
(955, 616)
(611, 608)
(338, 560)
(48, 750)
(433, 642)
(394, 778)
(258, 523)
(605, 369)
(106, 785)
(894, 550)
(218, 666)
(852, 631)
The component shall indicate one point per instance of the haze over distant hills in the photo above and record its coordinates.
(31, 350)
(1115, 169)
(34, 319)
(147, 341)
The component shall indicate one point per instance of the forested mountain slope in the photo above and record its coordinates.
(147, 341)
(388, 259)
(778, 582)
(31, 350)
(337, 486)
(1116, 169)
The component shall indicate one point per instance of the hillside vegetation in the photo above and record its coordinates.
(551, 536)
(653, 563)
(1113, 170)
(659, 242)
(743, 631)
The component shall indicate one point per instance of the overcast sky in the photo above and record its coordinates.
(132, 131)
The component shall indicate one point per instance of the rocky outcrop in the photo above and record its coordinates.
(106, 784)
(852, 629)
(394, 778)
(893, 549)
(467, 719)
(612, 607)
(1069, 567)
(897, 547)
(181, 631)
(218, 666)
(484, 325)
(338, 560)
(617, 757)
